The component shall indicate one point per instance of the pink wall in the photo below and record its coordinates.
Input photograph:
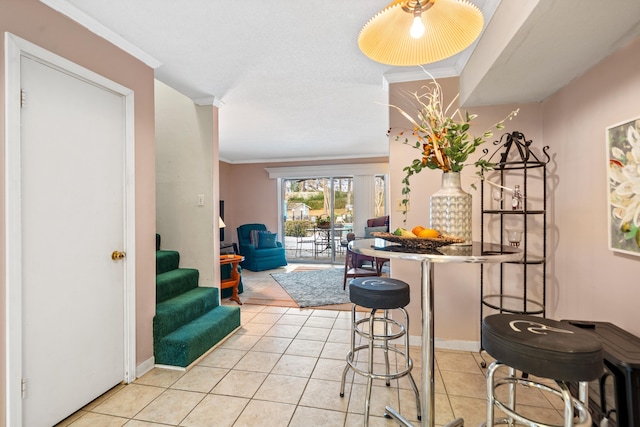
(39, 24)
(588, 280)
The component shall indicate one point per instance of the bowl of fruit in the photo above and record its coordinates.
(419, 238)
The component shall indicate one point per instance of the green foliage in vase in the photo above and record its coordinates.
(442, 138)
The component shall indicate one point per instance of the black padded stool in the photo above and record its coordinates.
(544, 348)
(379, 293)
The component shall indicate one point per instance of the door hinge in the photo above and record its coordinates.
(23, 98)
(23, 387)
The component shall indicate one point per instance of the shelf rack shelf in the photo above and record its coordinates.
(514, 162)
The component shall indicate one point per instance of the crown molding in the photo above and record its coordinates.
(416, 75)
(305, 159)
(295, 172)
(67, 9)
(209, 100)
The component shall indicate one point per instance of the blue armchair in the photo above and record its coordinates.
(260, 255)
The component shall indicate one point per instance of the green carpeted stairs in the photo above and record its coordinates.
(189, 319)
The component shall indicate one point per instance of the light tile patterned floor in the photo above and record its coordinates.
(283, 368)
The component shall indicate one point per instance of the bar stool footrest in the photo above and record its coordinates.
(385, 376)
(380, 337)
(582, 413)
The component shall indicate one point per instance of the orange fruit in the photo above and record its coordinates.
(428, 233)
(417, 229)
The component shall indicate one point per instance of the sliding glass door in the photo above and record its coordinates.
(320, 204)
(319, 214)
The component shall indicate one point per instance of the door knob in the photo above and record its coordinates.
(116, 255)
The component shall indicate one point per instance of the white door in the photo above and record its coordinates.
(72, 212)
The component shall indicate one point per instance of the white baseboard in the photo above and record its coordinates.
(173, 368)
(145, 367)
(415, 340)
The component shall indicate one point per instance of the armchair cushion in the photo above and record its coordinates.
(244, 232)
(254, 236)
(369, 230)
(380, 224)
(267, 240)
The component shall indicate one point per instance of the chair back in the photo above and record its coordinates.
(380, 224)
(381, 221)
(244, 232)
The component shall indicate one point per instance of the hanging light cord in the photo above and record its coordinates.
(420, 5)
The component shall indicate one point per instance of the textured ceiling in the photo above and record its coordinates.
(292, 83)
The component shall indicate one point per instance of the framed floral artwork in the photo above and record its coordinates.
(623, 170)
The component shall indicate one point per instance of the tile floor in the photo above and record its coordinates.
(283, 368)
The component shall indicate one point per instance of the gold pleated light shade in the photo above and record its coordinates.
(450, 27)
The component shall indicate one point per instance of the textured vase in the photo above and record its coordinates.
(450, 208)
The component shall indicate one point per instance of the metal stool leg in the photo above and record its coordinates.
(409, 363)
(351, 351)
(367, 400)
(386, 346)
(490, 397)
(380, 339)
(512, 394)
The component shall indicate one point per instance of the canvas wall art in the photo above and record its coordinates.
(623, 170)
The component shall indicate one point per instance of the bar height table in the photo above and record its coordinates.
(474, 253)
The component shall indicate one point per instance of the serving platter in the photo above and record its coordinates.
(419, 242)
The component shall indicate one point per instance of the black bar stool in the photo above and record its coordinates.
(544, 348)
(379, 293)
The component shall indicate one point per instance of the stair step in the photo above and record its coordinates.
(182, 309)
(186, 344)
(174, 282)
(167, 261)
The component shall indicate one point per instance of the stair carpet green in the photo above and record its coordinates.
(189, 319)
(166, 261)
(182, 309)
(174, 282)
(186, 344)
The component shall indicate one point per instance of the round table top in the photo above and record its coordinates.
(474, 253)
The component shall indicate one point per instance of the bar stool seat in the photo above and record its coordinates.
(386, 294)
(547, 349)
(379, 293)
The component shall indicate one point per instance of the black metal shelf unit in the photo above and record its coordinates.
(514, 162)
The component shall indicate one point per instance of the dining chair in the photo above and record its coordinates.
(354, 264)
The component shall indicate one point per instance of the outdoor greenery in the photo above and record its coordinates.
(297, 228)
(316, 195)
(315, 201)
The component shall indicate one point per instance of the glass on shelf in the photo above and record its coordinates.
(497, 195)
(514, 236)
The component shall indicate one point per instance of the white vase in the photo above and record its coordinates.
(451, 208)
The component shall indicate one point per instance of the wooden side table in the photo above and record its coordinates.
(234, 280)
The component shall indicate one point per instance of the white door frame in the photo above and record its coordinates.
(15, 47)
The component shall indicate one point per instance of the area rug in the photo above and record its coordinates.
(314, 288)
